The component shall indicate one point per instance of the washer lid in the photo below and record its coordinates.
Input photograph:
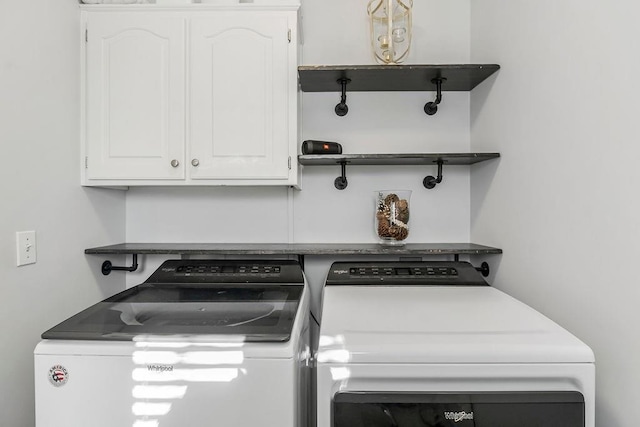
(247, 313)
(439, 324)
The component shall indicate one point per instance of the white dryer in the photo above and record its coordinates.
(410, 344)
(200, 343)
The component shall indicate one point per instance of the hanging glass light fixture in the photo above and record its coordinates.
(390, 29)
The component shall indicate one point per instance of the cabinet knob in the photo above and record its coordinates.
(195, 162)
(175, 163)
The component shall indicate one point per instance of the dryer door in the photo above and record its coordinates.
(521, 409)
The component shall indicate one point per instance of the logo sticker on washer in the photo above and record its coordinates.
(458, 416)
(58, 375)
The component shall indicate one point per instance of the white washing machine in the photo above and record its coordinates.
(410, 344)
(200, 343)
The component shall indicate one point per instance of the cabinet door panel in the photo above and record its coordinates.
(239, 96)
(135, 97)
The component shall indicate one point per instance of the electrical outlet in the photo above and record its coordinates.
(26, 247)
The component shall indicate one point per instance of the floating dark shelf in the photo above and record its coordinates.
(370, 78)
(396, 159)
(439, 159)
(280, 249)
(292, 249)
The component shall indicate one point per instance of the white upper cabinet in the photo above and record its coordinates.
(239, 96)
(190, 96)
(135, 96)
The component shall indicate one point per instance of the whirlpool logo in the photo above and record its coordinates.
(160, 368)
(458, 416)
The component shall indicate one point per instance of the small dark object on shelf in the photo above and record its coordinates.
(321, 147)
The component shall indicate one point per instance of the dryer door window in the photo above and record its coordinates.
(521, 409)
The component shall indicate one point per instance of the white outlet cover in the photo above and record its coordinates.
(26, 247)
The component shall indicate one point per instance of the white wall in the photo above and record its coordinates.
(40, 190)
(563, 202)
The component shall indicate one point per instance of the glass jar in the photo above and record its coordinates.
(392, 216)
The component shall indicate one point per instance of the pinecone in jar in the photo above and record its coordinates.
(384, 228)
(402, 210)
(391, 198)
(398, 232)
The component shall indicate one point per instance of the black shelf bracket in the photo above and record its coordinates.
(432, 107)
(341, 181)
(431, 181)
(341, 108)
(107, 267)
(484, 269)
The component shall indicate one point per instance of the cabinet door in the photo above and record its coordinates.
(135, 96)
(239, 96)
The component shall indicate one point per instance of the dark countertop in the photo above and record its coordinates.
(294, 249)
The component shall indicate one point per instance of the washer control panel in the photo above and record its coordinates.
(207, 269)
(404, 273)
